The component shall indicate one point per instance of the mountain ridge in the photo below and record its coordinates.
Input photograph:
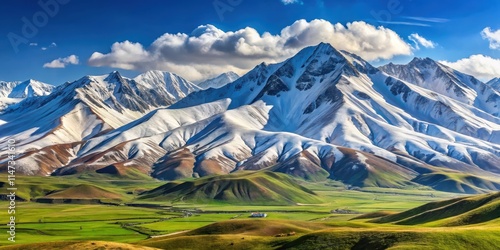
(495, 83)
(442, 79)
(79, 110)
(219, 81)
(355, 123)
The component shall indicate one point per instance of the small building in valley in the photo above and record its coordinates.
(258, 215)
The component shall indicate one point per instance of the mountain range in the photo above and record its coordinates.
(321, 114)
(14, 92)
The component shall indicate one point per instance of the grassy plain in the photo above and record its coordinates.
(129, 218)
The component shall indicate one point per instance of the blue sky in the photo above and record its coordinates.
(76, 37)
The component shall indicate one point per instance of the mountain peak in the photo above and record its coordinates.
(113, 77)
(175, 85)
(231, 74)
(422, 61)
(494, 83)
(219, 81)
(158, 74)
(322, 52)
(323, 44)
(28, 88)
(31, 82)
(496, 79)
(325, 49)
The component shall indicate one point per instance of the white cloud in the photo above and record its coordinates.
(62, 62)
(52, 45)
(33, 44)
(286, 2)
(492, 36)
(420, 40)
(480, 66)
(209, 51)
(428, 19)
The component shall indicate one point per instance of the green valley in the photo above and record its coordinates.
(214, 212)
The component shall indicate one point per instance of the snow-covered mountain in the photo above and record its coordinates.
(168, 84)
(444, 80)
(80, 110)
(495, 83)
(321, 114)
(25, 89)
(219, 81)
(210, 139)
(347, 102)
(14, 92)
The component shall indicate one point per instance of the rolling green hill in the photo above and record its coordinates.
(455, 212)
(257, 227)
(36, 187)
(457, 182)
(396, 239)
(83, 191)
(265, 188)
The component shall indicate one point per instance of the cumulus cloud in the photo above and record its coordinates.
(480, 66)
(209, 51)
(492, 36)
(286, 2)
(420, 40)
(62, 62)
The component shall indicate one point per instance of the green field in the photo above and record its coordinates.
(164, 222)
